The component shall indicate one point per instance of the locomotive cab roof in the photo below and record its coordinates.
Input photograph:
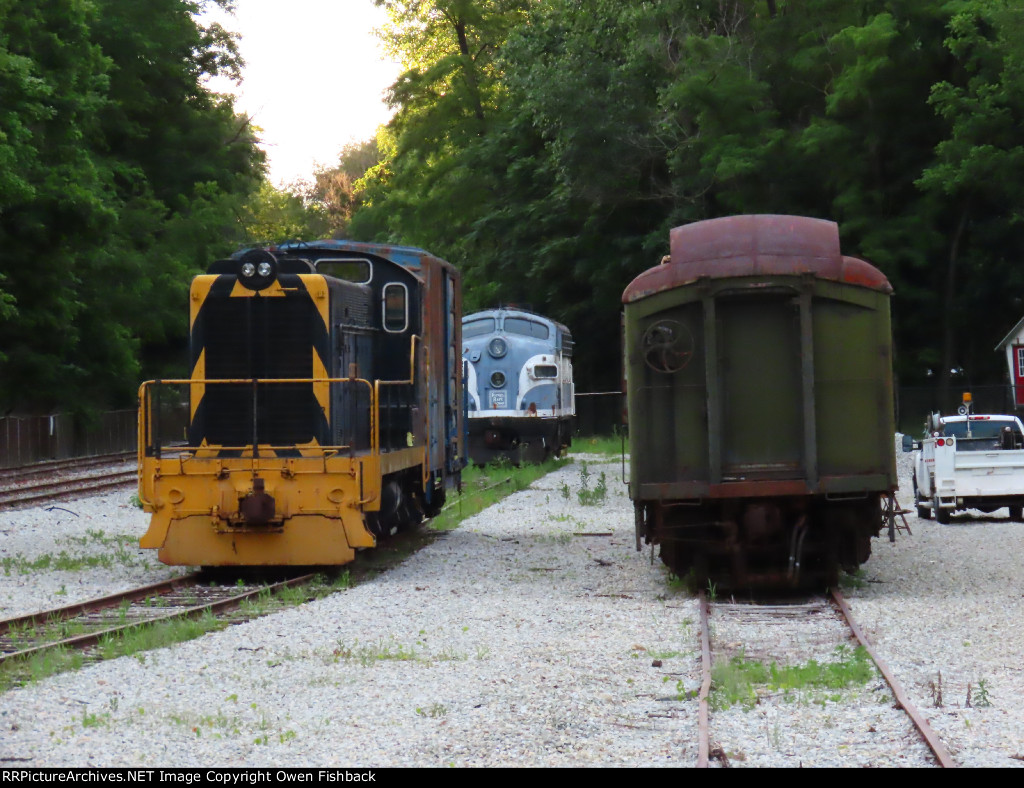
(755, 245)
(515, 311)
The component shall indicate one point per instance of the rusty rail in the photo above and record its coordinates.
(66, 487)
(704, 754)
(229, 600)
(931, 738)
(704, 742)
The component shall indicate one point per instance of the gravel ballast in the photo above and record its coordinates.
(527, 637)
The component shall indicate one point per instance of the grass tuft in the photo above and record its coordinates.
(741, 681)
(485, 486)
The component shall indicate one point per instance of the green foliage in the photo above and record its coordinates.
(120, 176)
(584, 494)
(274, 215)
(334, 193)
(367, 654)
(484, 486)
(608, 445)
(979, 696)
(544, 148)
(549, 158)
(739, 680)
(852, 580)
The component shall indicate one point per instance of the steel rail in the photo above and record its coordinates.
(106, 477)
(69, 464)
(99, 603)
(64, 488)
(703, 739)
(931, 738)
(144, 592)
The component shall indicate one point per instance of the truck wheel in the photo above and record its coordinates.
(941, 515)
(922, 510)
(1017, 513)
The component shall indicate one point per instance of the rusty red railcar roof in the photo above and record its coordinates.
(755, 245)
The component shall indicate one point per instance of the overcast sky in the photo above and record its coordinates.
(314, 78)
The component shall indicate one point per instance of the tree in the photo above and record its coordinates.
(121, 176)
(335, 193)
(974, 177)
(53, 210)
(421, 192)
(551, 169)
(276, 215)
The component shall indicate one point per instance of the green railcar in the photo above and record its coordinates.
(758, 364)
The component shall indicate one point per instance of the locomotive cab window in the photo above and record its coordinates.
(351, 269)
(395, 307)
(477, 328)
(526, 328)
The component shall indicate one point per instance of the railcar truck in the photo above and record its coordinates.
(968, 462)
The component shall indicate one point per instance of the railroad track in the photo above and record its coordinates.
(59, 480)
(85, 624)
(834, 605)
(52, 467)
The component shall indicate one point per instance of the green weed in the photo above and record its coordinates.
(609, 445)
(94, 720)
(367, 654)
(585, 495)
(485, 486)
(978, 696)
(739, 680)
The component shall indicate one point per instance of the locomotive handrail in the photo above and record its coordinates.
(146, 410)
(375, 422)
(184, 381)
(412, 366)
(146, 415)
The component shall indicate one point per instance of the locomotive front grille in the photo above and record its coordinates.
(261, 338)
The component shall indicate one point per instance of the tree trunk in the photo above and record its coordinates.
(948, 299)
(469, 68)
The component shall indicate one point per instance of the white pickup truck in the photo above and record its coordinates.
(969, 462)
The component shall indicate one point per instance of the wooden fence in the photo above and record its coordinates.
(28, 439)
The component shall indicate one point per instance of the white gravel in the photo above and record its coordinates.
(515, 640)
(70, 551)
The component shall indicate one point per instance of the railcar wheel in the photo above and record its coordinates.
(1017, 513)
(941, 515)
(433, 509)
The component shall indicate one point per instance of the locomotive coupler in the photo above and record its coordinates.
(257, 507)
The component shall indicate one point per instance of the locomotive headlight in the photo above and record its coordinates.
(497, 379)
(248, 269)
(264, 269)
(497, 347)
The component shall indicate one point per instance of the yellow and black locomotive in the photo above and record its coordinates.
(324, 407)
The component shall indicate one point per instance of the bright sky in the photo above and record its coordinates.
(314, 78)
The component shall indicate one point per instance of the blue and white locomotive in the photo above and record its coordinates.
(520, 393)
